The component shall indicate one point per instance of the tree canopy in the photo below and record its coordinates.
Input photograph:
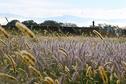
(50, 23)
(12, 23)
(29, 23)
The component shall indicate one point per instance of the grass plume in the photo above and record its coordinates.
(7, 77)
(35, 72)
(27, 57)
(103, 74)
(57, 82)
(24, 29)
(49, 80)
(89, 72)
(12, 62)
(63, 51)
(5, 33)
(3, 42)
(98, 34)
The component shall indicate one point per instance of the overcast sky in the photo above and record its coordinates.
(106, 10)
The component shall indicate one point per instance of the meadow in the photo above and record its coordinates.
(35, 59)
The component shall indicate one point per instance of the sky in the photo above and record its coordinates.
(102, 11)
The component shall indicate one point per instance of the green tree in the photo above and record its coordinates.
(50, 23)
(29, 23)
(11, 24)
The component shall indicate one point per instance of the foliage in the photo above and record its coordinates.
(62, 60)
(54, 26)
(12, 23)
(54, 23)
(29, 23)
(50, 23)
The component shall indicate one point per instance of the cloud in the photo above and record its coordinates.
(51, 8)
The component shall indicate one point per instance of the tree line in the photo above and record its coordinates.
(45, 23)
(54, 26)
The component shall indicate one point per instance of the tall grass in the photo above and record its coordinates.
(4, 32)
(24, 29)
(63, 60)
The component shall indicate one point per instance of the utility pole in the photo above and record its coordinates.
(93, 24)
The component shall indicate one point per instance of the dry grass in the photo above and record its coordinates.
(103, 75)
(5, 33)
(98, 34)
(25, 29)
(7, 77)
(35, 72)
(43, 62)
(27, 57)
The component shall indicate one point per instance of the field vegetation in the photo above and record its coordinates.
(29, 58)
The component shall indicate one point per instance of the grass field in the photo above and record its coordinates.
(62, 60)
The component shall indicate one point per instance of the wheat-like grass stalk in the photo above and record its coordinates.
(27, 45)
(25, 29)
(89, 72)
(124, 63)
(66, 69)
(57, 82)
(103, 74)
(35, 72)
(8, 77)
(118, 82)
(98, 34)
(35, 83)
(12, 62)
(28, 57)
(28, 61)
(3, 42)
(111, 77)
(60, 66)
(115, 75)
(63, 51)
(22, 71)
(107, 63)
(2, 30)
(75, 66)
(49, 80)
